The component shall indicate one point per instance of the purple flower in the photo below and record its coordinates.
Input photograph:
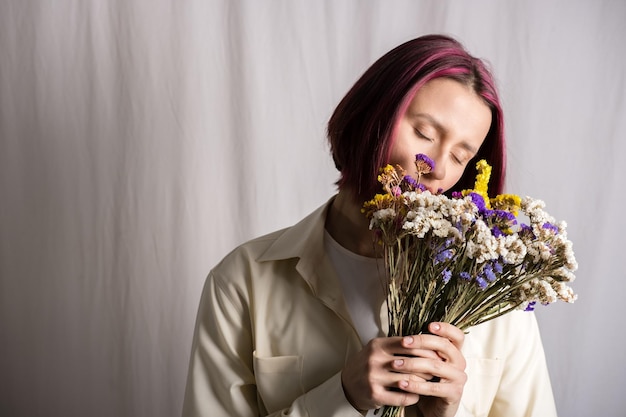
(446, 274)
(496, 232)
(505, 216)
(478, 201)
(396, 191)
(443, 256)
(457, 194)
(411, 181)
(423, 163)
(530, 306)
(497, 267)
(481, 282)
(465, 276)
(550, 226)
(488, 273)
(526, 230)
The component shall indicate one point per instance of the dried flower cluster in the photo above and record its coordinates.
(465, 259)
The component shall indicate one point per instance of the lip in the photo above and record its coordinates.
(429, 188)
(434, 191)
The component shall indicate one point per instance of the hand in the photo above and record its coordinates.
(442, 399)
(396, 371)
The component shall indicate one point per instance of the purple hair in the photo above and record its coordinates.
(362, 128)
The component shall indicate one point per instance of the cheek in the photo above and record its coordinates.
(405, 157)
(405, 147)
(453, 178)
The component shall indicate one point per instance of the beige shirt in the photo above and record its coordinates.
(273, 333)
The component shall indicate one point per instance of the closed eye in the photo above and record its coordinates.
(462, 159)
(421, 135)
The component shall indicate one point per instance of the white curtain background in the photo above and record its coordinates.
(140, 141)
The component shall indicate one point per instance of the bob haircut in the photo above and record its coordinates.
(362, 128)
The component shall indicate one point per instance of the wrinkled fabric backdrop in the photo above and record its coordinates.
(140, 141)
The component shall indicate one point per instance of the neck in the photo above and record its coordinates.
(348, 226)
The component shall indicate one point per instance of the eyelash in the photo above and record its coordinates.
(421, 135)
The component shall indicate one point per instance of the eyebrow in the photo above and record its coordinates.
(441, 128)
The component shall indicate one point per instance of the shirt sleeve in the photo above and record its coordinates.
(221, 379)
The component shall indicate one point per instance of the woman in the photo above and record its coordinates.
(293, 323)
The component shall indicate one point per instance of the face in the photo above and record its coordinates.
(446, 121)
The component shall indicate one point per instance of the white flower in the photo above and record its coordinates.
(482, 246)
(538, 251)
(547, 295)
(564, 292)
(566, 252)
(565, 274)
(512, 249)
(385, 214)
(382, 216)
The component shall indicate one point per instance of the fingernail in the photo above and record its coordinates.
(398, 362)
(435, 327)
(404, 384)
(408, 340)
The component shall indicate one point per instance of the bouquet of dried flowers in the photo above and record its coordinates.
(464, 259)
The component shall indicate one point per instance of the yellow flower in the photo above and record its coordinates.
(387, 174)
(391, 177)
(380, 201)
(481, 184)
(508, 202)
(388, 169)
(482, 179)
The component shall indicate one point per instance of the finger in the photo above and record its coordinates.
(398, 346)
(450, 332)
(398, 392)
(407, 366)
(443, 347)
(399, 397)
(427, 368)
(450, 387)
(425, 342)
(407, 347)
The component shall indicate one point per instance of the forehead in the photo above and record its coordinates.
(453, 108)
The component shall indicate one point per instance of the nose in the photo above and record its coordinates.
(439, 172)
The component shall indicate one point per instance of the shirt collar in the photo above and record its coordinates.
(304, 240)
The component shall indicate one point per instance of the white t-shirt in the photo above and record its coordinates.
(362, 283)
(363, 289)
